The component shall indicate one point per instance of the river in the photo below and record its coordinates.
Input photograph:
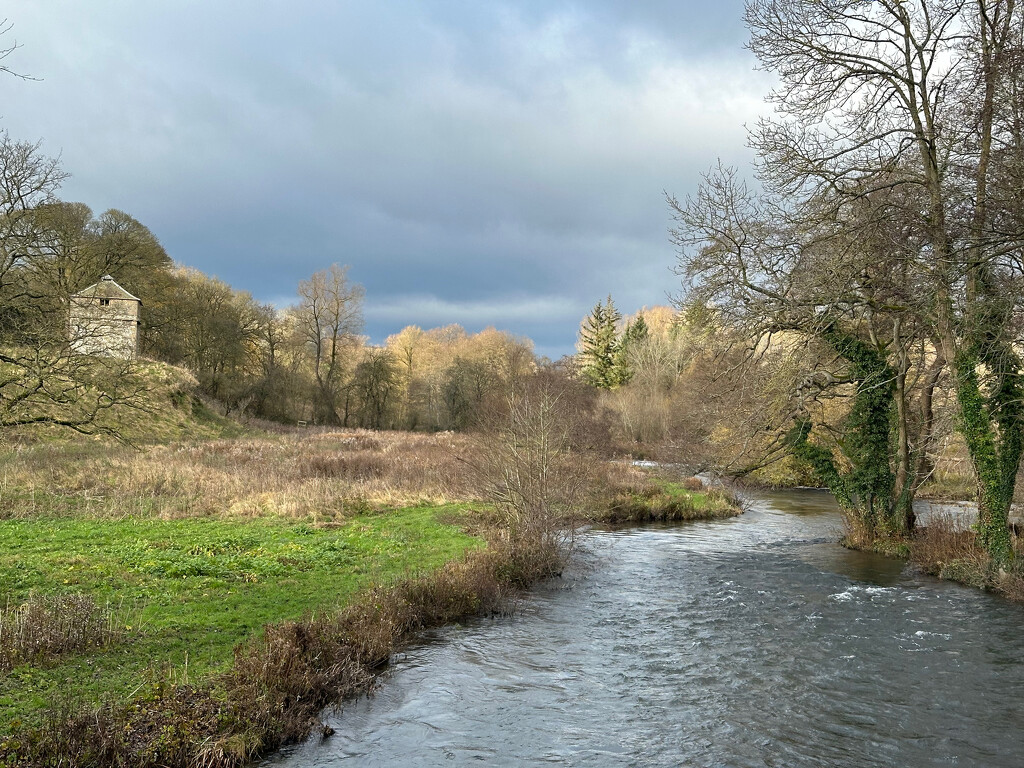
(754, 641)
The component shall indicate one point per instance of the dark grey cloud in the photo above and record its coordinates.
(484, 163)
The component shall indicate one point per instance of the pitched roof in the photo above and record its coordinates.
(106, 288)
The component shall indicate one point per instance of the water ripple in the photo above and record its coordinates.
(746, 642)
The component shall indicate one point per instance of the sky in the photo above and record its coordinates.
(482, 163)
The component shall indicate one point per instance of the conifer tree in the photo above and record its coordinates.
(598, 344)
(636, 333)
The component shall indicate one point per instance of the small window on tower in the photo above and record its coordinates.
(104, 302)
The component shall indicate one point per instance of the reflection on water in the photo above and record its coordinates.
(754, 641)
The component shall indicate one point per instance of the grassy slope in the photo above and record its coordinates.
(197, 587)
(166, 409)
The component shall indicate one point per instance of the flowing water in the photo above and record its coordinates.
(755, 641)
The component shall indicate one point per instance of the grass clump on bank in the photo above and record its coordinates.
(44, 627)
(640, 497)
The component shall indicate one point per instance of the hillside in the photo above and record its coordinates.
(161, 403)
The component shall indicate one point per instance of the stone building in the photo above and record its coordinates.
(105, 321)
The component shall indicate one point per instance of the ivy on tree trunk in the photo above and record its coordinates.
(869, 489)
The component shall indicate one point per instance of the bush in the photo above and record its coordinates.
(536, 454)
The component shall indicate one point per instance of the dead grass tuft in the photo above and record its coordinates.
(693, 484)
(944, 548)
(47, 626)
(945, 544)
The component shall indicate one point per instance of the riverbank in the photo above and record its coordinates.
(203, 601)
(135, 584)
(168, 600)
(944, 545)
(280, 680)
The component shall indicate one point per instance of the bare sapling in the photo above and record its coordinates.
(533, 456)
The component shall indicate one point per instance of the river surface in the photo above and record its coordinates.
(755, 641)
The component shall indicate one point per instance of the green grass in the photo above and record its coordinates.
(660, 500)
(193, 589)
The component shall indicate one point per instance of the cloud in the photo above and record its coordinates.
(457, 155)
(432, 311)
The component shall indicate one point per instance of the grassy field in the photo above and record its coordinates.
(179, 552)
(298, 474)
(180, 594)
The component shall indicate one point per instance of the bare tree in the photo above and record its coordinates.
(6, 49)
(28, 180)
(535, 453)
(329, 314)
(74, 249)
(827, 281)
(375, 381)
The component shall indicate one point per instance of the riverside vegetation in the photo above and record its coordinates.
(864, 297)
(201, 600)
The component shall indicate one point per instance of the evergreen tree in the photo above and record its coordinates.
(599, 343)
(636, 333)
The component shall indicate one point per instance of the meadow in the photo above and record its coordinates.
(125, 568)
(134, 577)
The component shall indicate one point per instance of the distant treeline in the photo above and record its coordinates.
(308, 362)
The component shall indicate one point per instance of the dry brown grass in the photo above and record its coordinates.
(693, 484)
(949, 551)
(322, 473)
(944, 548)
(46, 626)
(855, 534)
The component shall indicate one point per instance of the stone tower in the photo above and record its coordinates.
(105, 321)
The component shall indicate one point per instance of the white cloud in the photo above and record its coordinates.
(429, 311)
